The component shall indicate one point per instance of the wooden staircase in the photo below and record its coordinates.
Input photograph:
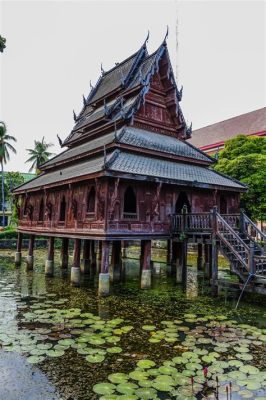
(239, 239)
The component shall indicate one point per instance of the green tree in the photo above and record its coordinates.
(244, 158)
(2, 43)
(5, 147)
(39, 155)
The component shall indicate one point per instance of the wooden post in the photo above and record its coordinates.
(64, 253)
(115, 270)
(183, 260)
(242, 221)
(169, 255)
(30, 257)
(85, 265)
(251, 266)
(99, 253)
(146, 264)
(49, 264)
(199, 258)
(104, 277)
(214, 257)
(75, 270)
(18, 252)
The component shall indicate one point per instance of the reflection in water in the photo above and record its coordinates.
(71, 374)
(192, 283)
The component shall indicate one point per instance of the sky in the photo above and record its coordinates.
(55, 48)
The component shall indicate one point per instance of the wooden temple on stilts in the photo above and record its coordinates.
(127, 173)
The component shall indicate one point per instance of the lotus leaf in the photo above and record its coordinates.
(55, 353)
(162, 386)
(249, 369)
(146, 393)
(114, 350)
(146, 364)
(113, 339)
(167, 370)
(66, 342)
(95, 358)
(35, 359)
(118, 378)
(245, 394)
(145, 383)
(104, 388)
(148, 327)
(138, 375)
(126, 388)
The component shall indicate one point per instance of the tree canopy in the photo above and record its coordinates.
(244, 158)
(39, 155)
(2, 43)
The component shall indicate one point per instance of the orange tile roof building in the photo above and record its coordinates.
(211, 138)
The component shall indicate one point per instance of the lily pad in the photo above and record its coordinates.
(146, 364)
(104, 388)
(95, 358)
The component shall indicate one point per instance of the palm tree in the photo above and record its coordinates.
(39, 155)
(5, 146)
(2, 43)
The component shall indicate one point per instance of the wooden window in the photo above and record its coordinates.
(41, 210)
(130, 204)
(63, 209)
(91, 201)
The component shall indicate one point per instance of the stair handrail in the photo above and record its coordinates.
(249, 264)
(245, 219)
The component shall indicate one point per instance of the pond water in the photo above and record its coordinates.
(63, 342)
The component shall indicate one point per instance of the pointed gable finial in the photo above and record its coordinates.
(166, 35)
(102, 70)
(180, 93)
(147, 39)
(59, 140)
(74, 116)
(189, 132)
(91, 85)
(84, 101)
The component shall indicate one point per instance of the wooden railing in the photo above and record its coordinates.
(228, 229)
(252, 231)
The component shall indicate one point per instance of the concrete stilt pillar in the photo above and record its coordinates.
(175, 258)
(104, 277)
(64, 253)
(115, 268)
(208, 267)
(85, 265)
(30, 257)
(18, 250)
(200, 258)
(214, 265)
(123, 248)
(169, 255)
(75, 270)
(146, 264)
(183, 260)
(49, 263)
(178, 262)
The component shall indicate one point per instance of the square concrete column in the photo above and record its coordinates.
(207, 257)
(104, 276)
(85, 265)
(169, 254)
(115, 268)
(123, 248)
(30, 257)
(64, 253)
(146, 264)
(200, 257)
(18, 250)
(49, 264)
(75, 270)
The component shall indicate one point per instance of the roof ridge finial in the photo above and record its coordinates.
(166, 35)
(147, 39)
(102, 70)
(84, 100)
(91, 85)
(75, 116)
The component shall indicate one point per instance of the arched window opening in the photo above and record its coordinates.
(130, 204)
(182, 201)
(63, 209)
(91, 201)
(223, 205)
(41, 210)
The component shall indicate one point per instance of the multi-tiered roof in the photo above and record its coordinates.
(131, 125)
